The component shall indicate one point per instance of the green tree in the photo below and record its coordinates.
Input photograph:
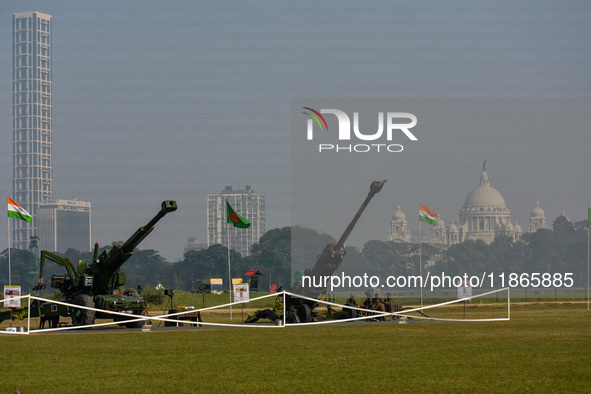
(575, 261)
(354, 263)
(147, 268)
(216, 257)
(204, 264)
(272, 256)
(507, 255)
(21, 262)
(75, 255)
(544, 251)
(563, 229)
(390, 258)
(471, 257)
(306, 246)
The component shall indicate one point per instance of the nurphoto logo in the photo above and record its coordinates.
(397, 124)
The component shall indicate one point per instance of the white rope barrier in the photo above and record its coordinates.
(378, 314)
(138, 318)
(167, 317)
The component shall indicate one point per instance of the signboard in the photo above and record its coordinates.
(241, 293)
(9, 293)
(464, 291)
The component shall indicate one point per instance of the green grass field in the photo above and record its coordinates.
(544, 348)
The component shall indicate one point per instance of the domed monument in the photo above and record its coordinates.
(537, 219)
(484, 214)
(399, 230)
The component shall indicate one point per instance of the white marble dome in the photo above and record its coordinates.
(485, 198)
(398, 215)
(484, 214)
(517, 228)
(538, 212)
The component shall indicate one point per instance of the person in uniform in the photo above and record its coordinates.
(351, 301)
(388, 302)
(378, 305)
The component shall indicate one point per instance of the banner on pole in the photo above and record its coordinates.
(241, 293)
(464, 291)
(10, 292)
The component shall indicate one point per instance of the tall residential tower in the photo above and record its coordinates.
(32, 160)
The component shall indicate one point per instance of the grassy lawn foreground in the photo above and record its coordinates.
(544, 348)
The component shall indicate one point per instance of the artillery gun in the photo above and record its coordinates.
(332, 255)
(326, 265)
(97, 285)
(301, 310)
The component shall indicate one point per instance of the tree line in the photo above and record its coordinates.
(560, 250)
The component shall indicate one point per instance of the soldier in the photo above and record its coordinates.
(367, 304)
(379, 306)
(351, 301)
(388, 302)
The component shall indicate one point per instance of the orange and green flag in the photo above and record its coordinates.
(235, 218)
(427, 216)
(18, 212)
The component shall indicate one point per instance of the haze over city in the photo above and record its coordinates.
(176, 100)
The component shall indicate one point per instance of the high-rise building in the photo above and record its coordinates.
(64, 224)
(31, 105)
(248, 204)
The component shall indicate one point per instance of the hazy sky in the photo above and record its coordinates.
(157, 100)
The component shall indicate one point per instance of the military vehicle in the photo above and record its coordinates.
(98, 285)
(300, 310)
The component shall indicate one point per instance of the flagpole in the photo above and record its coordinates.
(588, 247)
(229, 271)
(421, 262)
(237, 221)
(9, 273)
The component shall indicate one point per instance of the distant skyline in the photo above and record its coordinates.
(176, 100)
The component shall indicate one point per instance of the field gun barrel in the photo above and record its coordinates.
(332, 255)
(374, 188)
(107, 264)
(142, 232)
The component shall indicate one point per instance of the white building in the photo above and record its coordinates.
(249, 205)
(32, 159)
(399, 227)
(483, 216)
(64, 224)
(537, 219)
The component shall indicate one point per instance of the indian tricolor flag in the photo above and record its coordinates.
(16, 211)
(428, 216)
